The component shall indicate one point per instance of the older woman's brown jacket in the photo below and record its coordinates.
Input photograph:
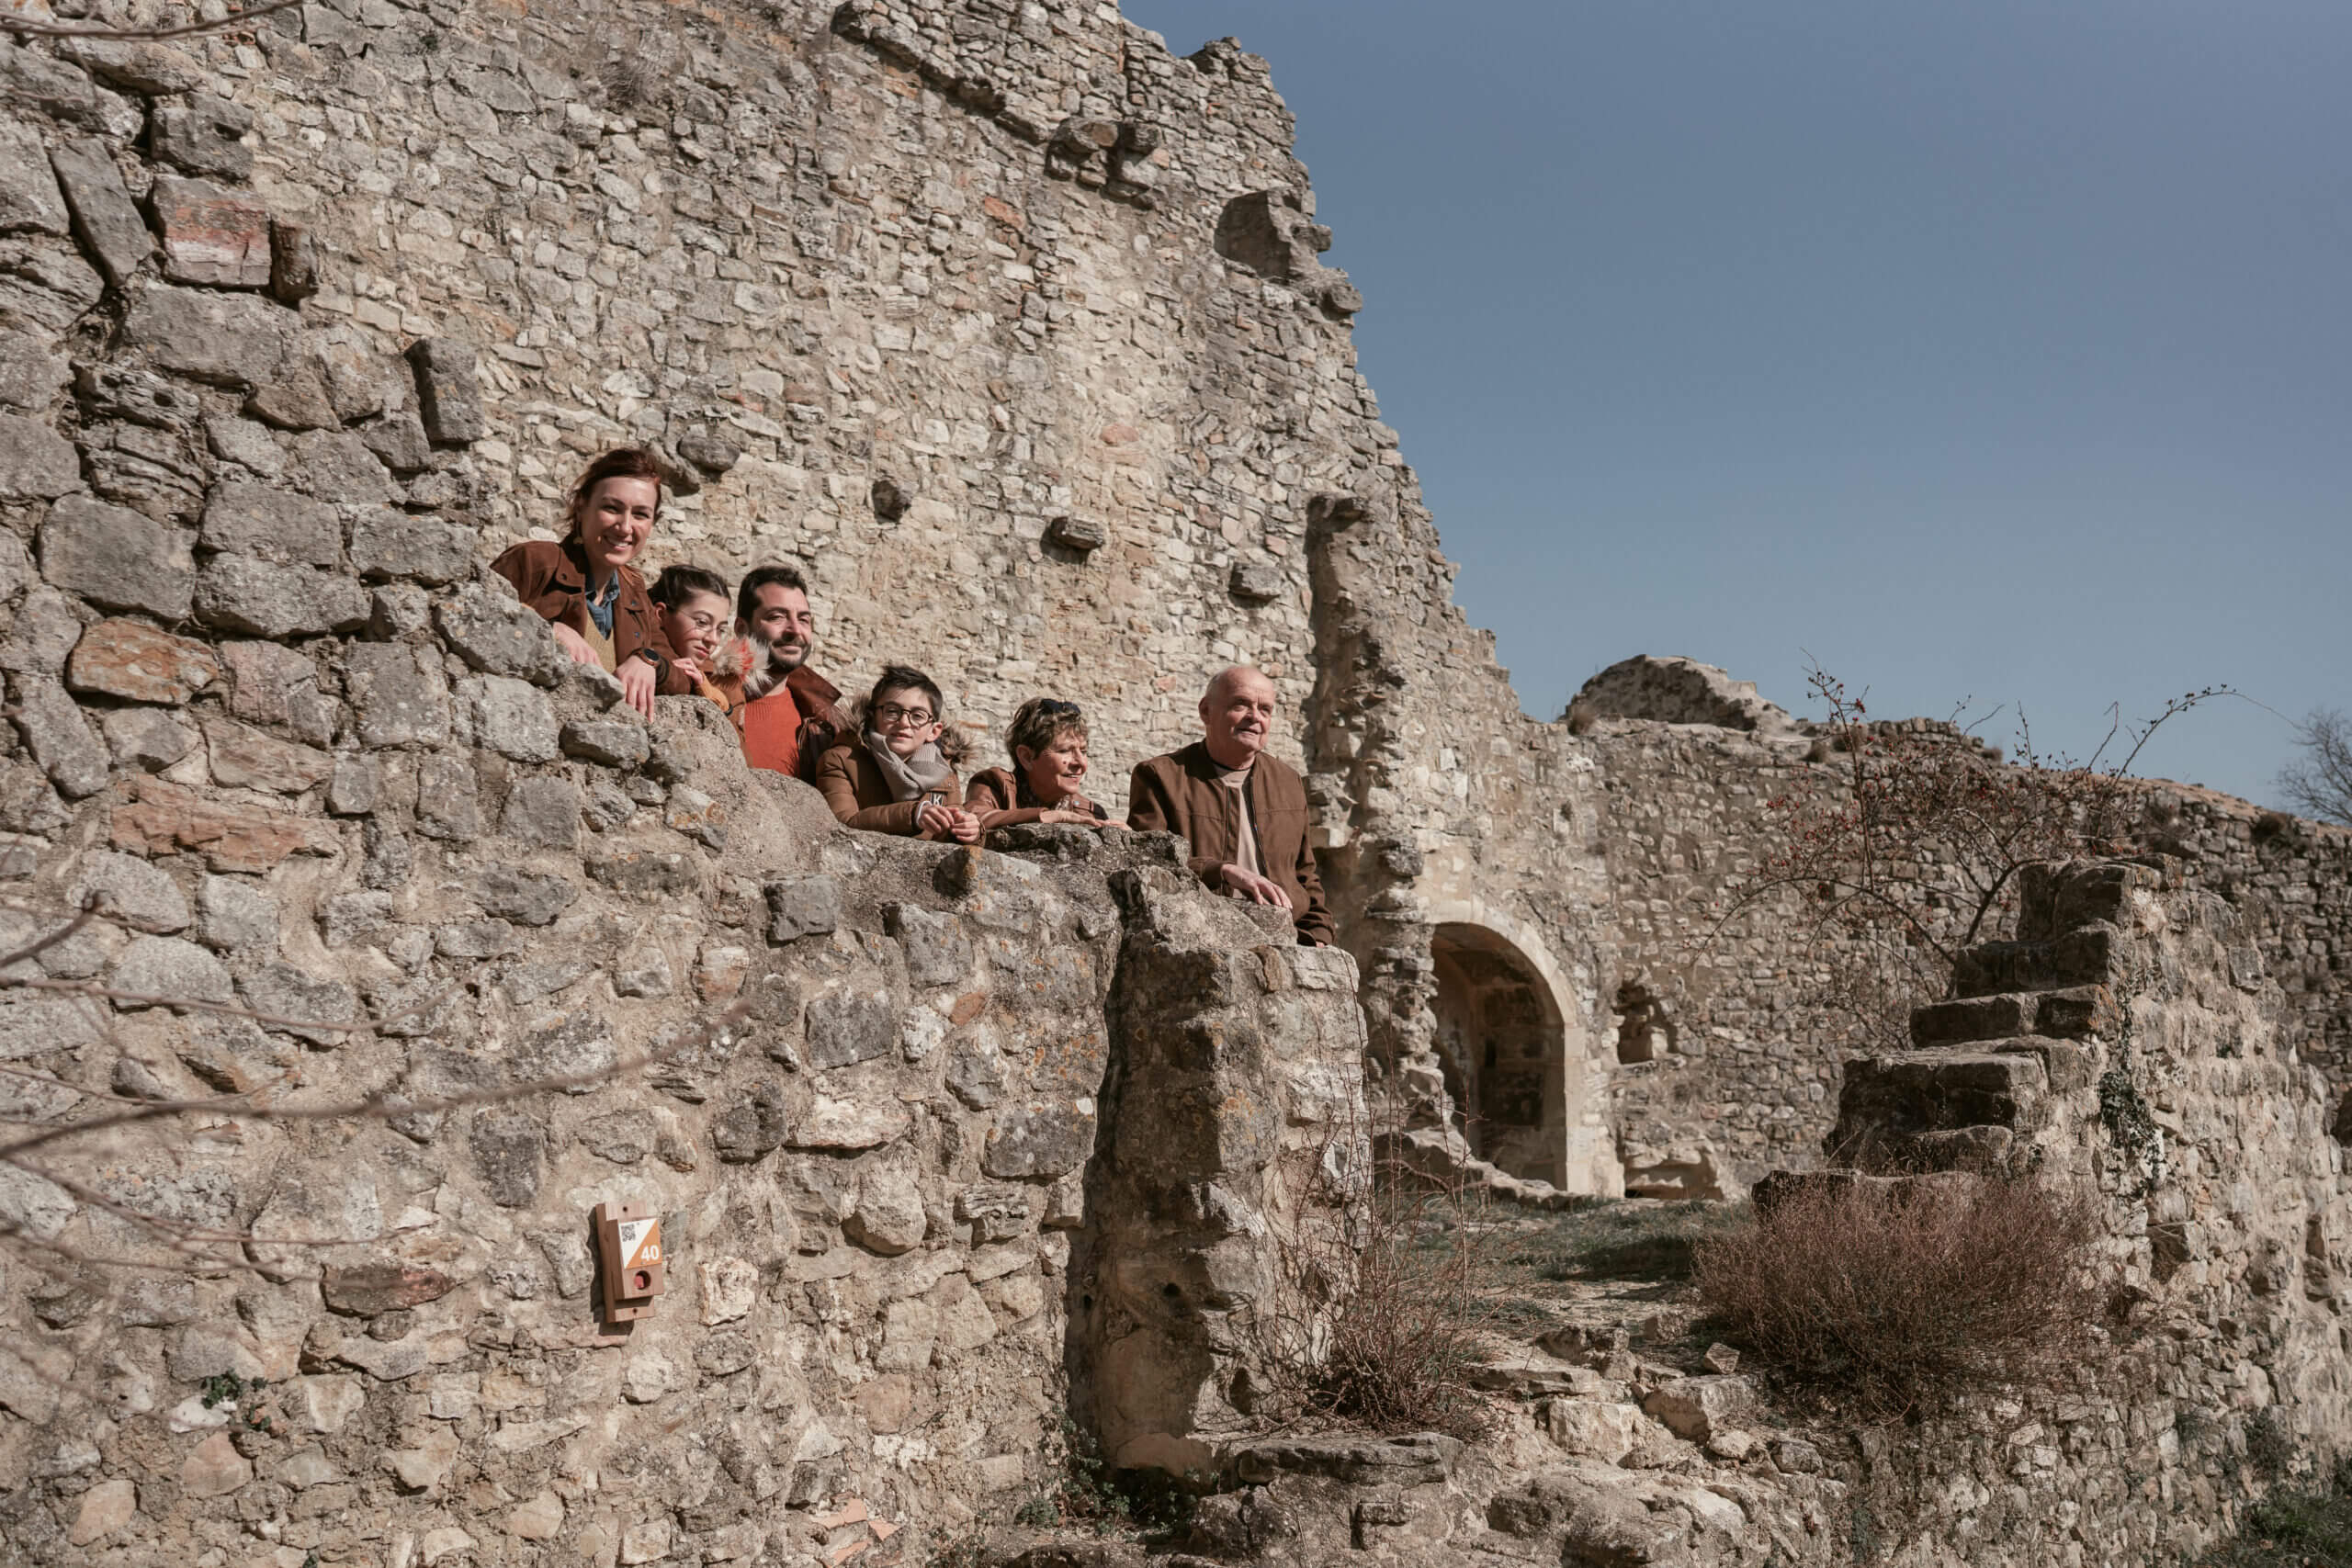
(855, 786)
(552, 578)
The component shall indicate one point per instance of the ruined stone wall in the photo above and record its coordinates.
(298, 327)
(927, 298)
(2124, 1049)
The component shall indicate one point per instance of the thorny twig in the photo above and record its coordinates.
(29, 29)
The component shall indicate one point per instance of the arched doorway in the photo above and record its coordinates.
(1502, 1048)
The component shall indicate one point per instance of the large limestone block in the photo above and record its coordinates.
(131, 660)
(234, 339)
(240, 593)
(212, 234)
(36, 463)
(29, 198)
(117, 559)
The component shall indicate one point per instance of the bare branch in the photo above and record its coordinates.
(2319, 783)
(29, 29)
(383, 1105)
(226, 1009)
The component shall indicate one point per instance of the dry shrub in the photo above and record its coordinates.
(1890, 1297)
(1374, 1321)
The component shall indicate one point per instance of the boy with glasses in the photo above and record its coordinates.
(898, 776)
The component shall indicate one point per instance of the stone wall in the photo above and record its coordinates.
(927, 298)
(299, 326)
(2124, 1049)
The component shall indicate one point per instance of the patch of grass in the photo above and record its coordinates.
(2301, 1528)
(1638, 1240)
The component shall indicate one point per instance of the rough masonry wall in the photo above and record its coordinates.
(278, 371)
(2125, 1050)
(932, 297)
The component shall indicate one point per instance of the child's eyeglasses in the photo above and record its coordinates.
(892, 713)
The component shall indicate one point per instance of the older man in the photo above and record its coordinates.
(1243, 812)
(787, 717)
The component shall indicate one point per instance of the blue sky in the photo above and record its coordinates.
(1996, 351)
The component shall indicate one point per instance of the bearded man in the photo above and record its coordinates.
(787, 717)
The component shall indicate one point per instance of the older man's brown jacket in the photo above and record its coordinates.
(1180, 793)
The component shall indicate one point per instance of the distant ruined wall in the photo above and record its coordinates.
(2123, 1049)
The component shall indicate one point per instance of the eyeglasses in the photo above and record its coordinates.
(892, 713)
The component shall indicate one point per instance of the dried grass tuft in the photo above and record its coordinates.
(1890, 1299)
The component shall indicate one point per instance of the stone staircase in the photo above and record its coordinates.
(1981, 1089)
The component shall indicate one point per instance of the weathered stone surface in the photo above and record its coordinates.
(234, 916)
(133, 661)
(104, 1509)
(168, 968)
(233, 339)
(29, 198)
(131, 890)
(212, 234)
(976, 1076)
(1697, 1408)
(1257, 582)
(293, 263)
(448, 396)
(296, 400)
(498, 635)
(336, 466)
(282, 991)
(996, 1213)
(271, 524)
(36, 463)
(239, 594)
(1083, 535)
(612, 740)
(398, 692)
(529, 898)
(57, 735)
(843, 1029)
(205, 135)
(117, 559)
(399, 442)
(512, 718)
(387, 544)
(245, 443)
(802, 906)
(104, 219)
(369, 1290)
(844, 1126)
(890, 1215)
(215, 1468)
(751, 1126)
(1038, 1139)
(135, 65)
(506, 1147)
(624, 1137)
(147, 738)
(44, 634)
(162, 818)
(543, 811)
(938, 953)
(246, 758)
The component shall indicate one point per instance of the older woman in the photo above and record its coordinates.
(586, 589)
(1047, 740)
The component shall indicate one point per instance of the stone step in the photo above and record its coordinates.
(1929, 1091)
(2058, 898)
(2090, 957)
(2070, 1014)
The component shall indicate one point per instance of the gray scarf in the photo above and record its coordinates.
(909, 777)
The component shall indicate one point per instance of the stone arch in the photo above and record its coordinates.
(1512, 1052)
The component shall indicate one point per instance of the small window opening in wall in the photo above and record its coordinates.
(1644, 1033)
(1493, 1055)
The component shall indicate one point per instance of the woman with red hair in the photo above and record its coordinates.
(588, 592)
